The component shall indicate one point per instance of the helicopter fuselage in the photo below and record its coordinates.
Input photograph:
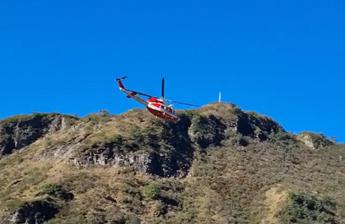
(160, 109)
(155, 105)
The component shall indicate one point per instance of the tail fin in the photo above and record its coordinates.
(119, 82)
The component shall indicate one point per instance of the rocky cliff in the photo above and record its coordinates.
(218, 164)
(20, 131)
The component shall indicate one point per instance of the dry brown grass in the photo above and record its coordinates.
(226, 184)
(275, 200)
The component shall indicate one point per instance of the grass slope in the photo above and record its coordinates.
(276, 181)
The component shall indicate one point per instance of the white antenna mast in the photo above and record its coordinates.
(220, 97)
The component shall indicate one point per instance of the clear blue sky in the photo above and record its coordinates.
(285, 59)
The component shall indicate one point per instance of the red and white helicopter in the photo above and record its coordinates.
(155, 105)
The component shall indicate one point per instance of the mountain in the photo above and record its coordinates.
(218, 164)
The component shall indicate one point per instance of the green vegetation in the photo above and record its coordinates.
(105, 138)
(133, 168)
(305, 209)
(35, 116)
(314, 141)
(152, 191)
(132, 220)
(207, 130)
(25, 117)
(57, 191)
(96, 118)
(200, 124)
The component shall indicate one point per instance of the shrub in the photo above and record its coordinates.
(19, 118)
(207, 130)
(132, 220)
(102, 116)
(152, 191)
(138, 135)
(115, 139)
(304, 208)
(58, 191)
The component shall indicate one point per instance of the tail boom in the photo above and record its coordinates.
(130, 94)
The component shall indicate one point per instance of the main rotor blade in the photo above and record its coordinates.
(182, 103)
(121, 78)
(163, 88)
(139, 93)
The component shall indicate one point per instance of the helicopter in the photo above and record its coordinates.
(158, 106)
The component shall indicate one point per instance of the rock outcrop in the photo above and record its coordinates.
(20, 131)
(314, 141)
(149, 145)
(167, 149)
(162, 149)
(35, 212)
(218, 164)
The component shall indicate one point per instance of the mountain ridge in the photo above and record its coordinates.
(218, 164)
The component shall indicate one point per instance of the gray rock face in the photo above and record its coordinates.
(167, 149)
(234, 154)
(21, 131)
(35, 212)
(256, 127)
(141, 161)
(205, 131)
(160, 148)
(213, 130)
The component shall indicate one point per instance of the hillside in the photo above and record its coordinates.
(218, 164)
